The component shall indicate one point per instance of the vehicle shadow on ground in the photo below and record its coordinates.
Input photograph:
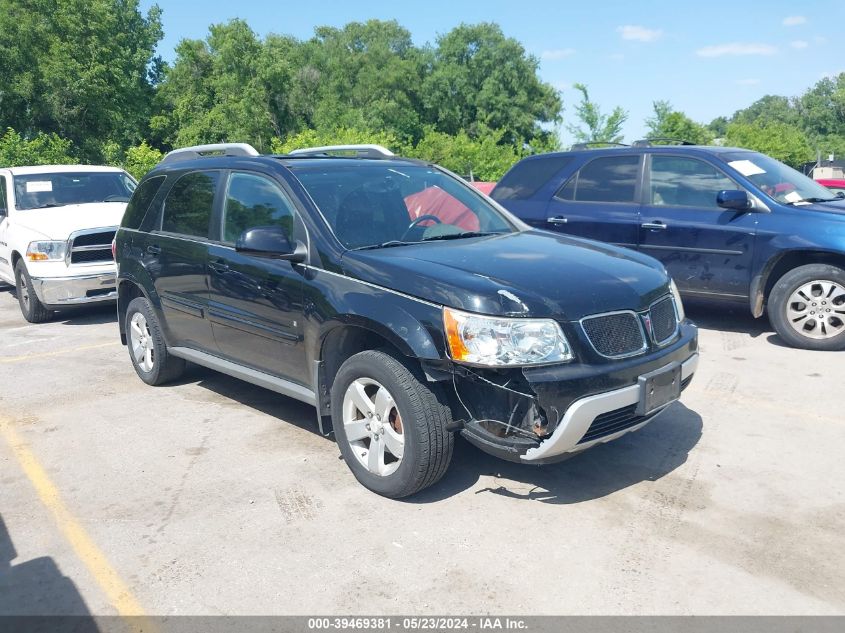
(726, 318)
(95, 314)
(645, 455)
(37, 587)
(286, 410)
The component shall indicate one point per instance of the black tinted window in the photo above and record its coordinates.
(3, 204)
(607, 179)
(187, 209)
(140, 202)
(255, 201)
(685, 182)
(527, 177)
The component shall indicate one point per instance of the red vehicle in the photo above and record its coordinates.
(836, 185)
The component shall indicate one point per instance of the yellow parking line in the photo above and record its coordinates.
(58, 352)
(104, 574)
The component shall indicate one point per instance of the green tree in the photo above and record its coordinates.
(82, 69)
(336, 136)
(596, 127)
(669, 123)
(483, 157)
(42, 149)
(141, 159)
(230, 87)
(768, 109)
(782, 141)
(479, 78)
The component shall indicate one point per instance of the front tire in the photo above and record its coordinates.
(807, 307)
(390, 424)
(147, 349)
(31, 307)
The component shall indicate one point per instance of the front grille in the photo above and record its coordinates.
(612, 422)
(89, 257)
(91, 239)
(90, 248)
(615, 335)
(664, 321)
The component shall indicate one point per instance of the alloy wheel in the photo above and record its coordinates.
(141, 341)
(817, 309)
(373, 426)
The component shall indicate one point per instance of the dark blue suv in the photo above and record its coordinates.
(729, 224)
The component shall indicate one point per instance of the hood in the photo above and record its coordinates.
(57, 223)
(836, 207)
(530, 273)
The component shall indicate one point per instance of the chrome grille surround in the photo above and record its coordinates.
(90, 246)
(601, 330)
(663, 315)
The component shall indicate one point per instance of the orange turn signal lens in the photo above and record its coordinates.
(37, 257)
(457, 349)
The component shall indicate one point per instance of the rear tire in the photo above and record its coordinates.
(807, 307)
(382, 406)
(31, 307)
(147, 348)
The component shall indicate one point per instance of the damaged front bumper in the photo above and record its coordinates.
(543, 414)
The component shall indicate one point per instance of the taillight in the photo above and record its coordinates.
(114, 249)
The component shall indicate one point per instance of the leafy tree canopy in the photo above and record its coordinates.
(595, 127)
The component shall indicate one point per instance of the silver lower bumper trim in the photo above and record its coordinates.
(581, 413)
(66, 291)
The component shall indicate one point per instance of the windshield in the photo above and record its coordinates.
(370, 204)
(775, 179)
(39, 191)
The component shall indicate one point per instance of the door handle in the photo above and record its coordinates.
(219, 267)
(654, 226)
(558, 219)
(154, 249)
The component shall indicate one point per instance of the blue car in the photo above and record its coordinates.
(728, 224)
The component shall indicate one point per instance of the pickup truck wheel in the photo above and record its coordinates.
(33, 310)
(390, 424)
(147, 348)
(807, 307)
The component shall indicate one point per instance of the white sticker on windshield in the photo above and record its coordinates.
(746, 167)
(792, 196)
(37, 186)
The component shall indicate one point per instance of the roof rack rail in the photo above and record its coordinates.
(209, 151)
(662, 140)
(353, 151)
(589, 144)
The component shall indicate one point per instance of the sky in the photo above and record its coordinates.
(706, 59)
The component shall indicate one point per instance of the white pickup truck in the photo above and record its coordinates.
(57, 224)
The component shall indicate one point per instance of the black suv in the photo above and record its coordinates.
(400, 302)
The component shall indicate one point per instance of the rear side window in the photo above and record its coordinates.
(527, 177)
(140, 202)
(255, 201)
(606, 179)
(188, 206)
(4, 206)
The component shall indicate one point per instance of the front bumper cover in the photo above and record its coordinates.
(77, 290)
(542, 414)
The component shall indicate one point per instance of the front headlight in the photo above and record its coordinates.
(679, 305)
(483, 340)
(46, 251)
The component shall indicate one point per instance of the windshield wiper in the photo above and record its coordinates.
(47, 205)
(461, 235)
(810, 200)
(388, 244)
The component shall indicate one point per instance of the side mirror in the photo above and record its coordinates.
(734, 199)
(840, 194)
(272, 242)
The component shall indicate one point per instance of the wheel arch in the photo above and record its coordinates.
(127, 290)
(781, 264)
